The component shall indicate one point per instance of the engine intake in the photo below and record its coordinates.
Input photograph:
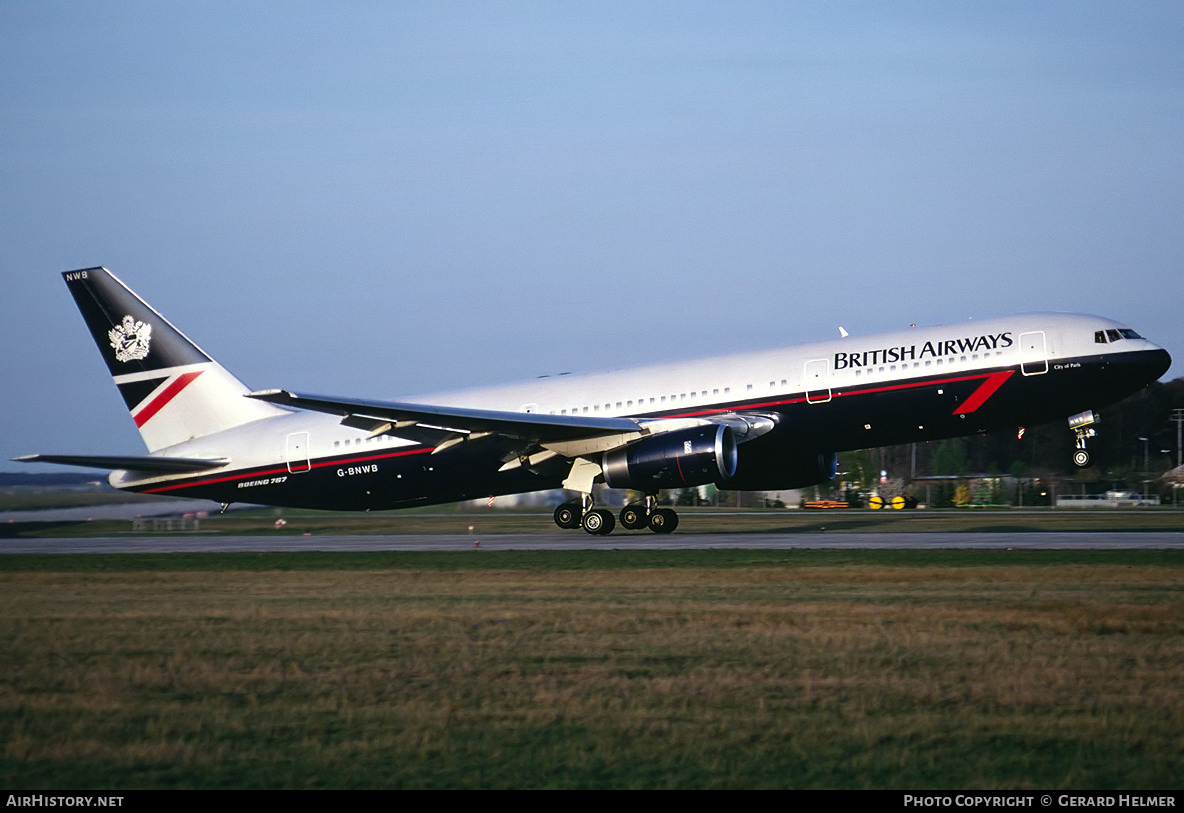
(686, 457)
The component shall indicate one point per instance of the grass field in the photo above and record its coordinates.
(609, 669)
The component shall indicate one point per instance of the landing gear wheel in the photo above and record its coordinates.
(1083, 425)
(663, 520)
(599, 522)
(633, 516)
(568, 515)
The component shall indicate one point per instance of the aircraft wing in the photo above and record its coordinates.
(528, 426)
(148, 463)
(538, 436)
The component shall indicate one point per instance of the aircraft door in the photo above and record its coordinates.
(817, 381)
(1033, 353)
(296, 452)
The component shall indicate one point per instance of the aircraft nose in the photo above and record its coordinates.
(1135, 370)
(1158, 362)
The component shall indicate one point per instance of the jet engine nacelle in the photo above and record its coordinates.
(685, 457)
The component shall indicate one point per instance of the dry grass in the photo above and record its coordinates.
(871, 676)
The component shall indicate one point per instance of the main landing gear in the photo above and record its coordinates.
(1083, 425)
(600, 521)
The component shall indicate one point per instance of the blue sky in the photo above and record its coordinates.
(379, 199)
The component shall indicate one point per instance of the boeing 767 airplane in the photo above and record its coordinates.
(761, 421)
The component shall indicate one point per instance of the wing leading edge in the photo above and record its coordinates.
(457, 420)
(570, 436)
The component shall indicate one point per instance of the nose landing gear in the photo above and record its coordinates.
(1083, 425)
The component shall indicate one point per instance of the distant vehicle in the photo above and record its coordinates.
(763, 421)
(897, 503)
(1110, 499)
(823, 505)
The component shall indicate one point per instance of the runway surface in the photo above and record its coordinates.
(581, 541)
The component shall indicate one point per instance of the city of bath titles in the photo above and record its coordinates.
(913, 352)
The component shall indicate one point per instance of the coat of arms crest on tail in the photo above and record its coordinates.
(130, 339)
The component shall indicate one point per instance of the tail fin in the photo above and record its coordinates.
(174, 391)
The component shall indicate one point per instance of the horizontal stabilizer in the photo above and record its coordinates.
(163, 465)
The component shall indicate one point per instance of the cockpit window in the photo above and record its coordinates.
(1112, 335)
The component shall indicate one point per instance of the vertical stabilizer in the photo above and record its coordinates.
(174, 391)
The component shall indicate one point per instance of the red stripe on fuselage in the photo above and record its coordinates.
(169, 393)
(986, 390)
(247, 475)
